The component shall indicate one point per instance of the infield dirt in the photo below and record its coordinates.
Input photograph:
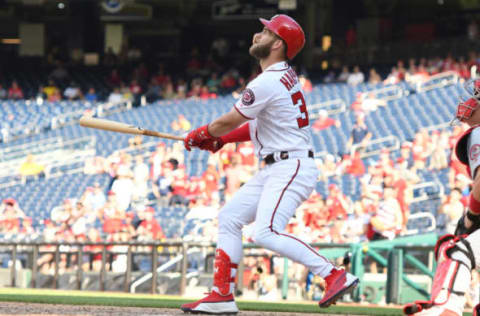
(14, 308)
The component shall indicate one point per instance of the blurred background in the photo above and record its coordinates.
(382, 80)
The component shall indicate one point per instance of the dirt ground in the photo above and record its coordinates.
(14, 308)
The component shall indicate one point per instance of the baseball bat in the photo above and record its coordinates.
(119, 127)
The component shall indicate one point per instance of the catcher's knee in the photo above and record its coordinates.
(456, 248)
(455, 262)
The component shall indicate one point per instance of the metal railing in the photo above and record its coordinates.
(438, 81)
(392, 143)
(16, 249)
(425, 196)
(334, 106)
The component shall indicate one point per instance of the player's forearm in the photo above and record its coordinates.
(220, 127)
(226, 123)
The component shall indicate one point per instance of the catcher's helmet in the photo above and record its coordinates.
(289, 31)
(466, 108)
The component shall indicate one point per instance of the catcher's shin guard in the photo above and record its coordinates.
(452, 278)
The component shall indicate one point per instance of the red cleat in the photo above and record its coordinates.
(339, 283)
(214, 303)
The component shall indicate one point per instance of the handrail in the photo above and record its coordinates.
(420, 215)
(27, 145)
(318, 106)
(395, 146)
(438, 126)
(438, 81)
(399, 92)
(161, 268)
(424, 197)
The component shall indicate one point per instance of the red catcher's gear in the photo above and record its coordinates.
(288, 30)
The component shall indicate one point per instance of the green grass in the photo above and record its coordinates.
(161, 301)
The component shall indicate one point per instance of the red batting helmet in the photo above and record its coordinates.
(289, 31)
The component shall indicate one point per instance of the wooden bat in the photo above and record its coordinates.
(123, 128)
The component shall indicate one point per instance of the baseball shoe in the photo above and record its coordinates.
(452, 307)
(435, 311)
(339, 282)
(214, 303)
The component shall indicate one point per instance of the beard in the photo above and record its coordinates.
(261, 51)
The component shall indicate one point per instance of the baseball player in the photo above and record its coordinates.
(272, 114)
(457, 255)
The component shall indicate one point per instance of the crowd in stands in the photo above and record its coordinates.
(141, 184)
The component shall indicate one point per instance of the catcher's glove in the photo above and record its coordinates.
(462, 229)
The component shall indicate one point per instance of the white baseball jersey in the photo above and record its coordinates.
(275, 104)
(474, 151)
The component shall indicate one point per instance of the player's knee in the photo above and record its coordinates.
(227, 221)
(262, 236)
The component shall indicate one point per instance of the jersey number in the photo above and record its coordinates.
(303, 120)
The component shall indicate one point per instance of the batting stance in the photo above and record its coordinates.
(272, 114)
(458, 254)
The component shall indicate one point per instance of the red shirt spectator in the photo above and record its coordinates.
(247, 153)
(336, 203)
(211, 178)
(324, 121)
(135, 87)
(15, 92)
(114, 79)
(356, 167)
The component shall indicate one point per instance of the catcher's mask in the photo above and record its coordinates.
(465, 109)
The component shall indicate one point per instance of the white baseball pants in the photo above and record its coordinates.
(270, 199)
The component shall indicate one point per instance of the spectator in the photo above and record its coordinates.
(140, 178)
(228, 83)
(135, 91)
(205, 94)
(241, 87)
(181, 124)
(344, 75)
(72, 92)
(51, 90)
(324, 122)
(374, 77)
(115, 96)
(123, 187)
(354, 165)
(114, 79)
(336, 203)
(3, 93)
(169, 91)
(60, 74)
(234, 175)
(30, 168)
(356, 77)
(351, 37)
(213, 83)
(91, 95)
(393, 77)
(453, 208)
(330, 77)
(15, 92)
(388, 219)
(305, 83)
(359, 135)
(472, 30)
(110, 59)
(154, 91)
(438, 156)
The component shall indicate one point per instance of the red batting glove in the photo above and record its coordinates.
(212, 145)
(196, 137)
